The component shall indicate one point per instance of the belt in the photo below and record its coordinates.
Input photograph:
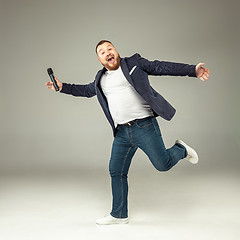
(130, 123)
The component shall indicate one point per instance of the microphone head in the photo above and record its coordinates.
(50, 71)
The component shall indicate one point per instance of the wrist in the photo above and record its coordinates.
(60, 87)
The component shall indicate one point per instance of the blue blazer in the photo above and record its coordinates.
(136, 70)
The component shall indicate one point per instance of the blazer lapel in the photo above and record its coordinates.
(126, 71)
(98, 76)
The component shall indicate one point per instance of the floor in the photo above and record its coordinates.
(184, 203)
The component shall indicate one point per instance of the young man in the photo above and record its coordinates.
(131, 106)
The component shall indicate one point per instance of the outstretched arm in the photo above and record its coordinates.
(159, 68)
(201, 72)
(87, 90)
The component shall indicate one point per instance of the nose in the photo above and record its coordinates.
(108, 53)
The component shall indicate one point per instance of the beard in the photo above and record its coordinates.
(114, 64)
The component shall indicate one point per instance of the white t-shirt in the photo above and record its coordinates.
(125, 104)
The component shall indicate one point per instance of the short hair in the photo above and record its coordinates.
(100, 43)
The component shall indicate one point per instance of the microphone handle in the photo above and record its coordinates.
(54, 82)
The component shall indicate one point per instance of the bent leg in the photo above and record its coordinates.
(152, 144)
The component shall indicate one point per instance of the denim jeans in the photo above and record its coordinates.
(146, 135)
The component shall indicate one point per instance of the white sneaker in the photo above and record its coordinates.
(108, 220)
(192, 156)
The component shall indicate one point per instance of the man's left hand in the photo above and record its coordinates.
(201, 72)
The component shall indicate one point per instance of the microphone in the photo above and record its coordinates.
(50, 73)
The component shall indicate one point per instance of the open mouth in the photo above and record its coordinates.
(111, 59)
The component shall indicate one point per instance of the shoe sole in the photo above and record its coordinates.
(112, 223)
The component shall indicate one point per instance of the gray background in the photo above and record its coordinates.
(46, 132)
(40, 128)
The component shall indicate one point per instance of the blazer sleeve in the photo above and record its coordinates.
(159, 68)
(87, 90)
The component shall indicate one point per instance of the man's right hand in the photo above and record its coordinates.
(50, 85)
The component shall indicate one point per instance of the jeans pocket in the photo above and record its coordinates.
(142, 123)
(156, 127)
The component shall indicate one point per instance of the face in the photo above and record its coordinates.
(108, 56)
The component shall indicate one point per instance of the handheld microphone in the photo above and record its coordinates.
(50, 73)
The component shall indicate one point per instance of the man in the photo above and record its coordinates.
(131, 106)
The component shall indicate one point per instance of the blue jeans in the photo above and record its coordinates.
(146, 135)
